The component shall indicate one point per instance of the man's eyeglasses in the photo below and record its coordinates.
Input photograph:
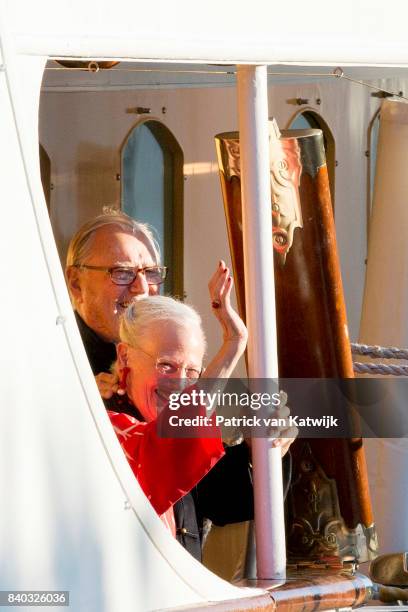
(168, 368)
(121, 275)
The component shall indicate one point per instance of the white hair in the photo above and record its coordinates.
(81, 243)
(139, 317)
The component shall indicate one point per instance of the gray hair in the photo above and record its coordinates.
(80, 244)
(144, 312)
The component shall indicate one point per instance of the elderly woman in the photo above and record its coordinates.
(162, 342)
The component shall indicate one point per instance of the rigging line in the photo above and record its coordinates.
(380, 368)
(337, 73)
(385, 352)
(185, 71)
(154, 70)
(302, 74)
(391, 93)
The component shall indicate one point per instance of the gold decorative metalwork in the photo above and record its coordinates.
(317, 528)
(231, 158)
(286, 169)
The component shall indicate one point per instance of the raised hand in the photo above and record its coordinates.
(234, 332)
(220, 287)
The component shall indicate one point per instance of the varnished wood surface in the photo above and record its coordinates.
(312, 328)
(322, 591)
(257, 603)
(302, 591)
(313, 336)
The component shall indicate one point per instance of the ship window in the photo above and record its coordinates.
(310, 119)
(373, 131)
(152, 192)
(45, 170)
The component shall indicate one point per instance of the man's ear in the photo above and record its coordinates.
(122, 353)
(72, 275)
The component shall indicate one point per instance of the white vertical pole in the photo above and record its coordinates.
(260, 309)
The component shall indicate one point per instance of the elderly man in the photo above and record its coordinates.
(110, 260)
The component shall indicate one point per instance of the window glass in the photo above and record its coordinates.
(310, 119)
(152, 167)
(45, 169)
(373, 144)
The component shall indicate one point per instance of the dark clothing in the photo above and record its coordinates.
(101, 354)
(224, 495)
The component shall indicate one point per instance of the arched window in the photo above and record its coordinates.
(373, 130)
(152, 191)
(310, 119)
(45, 169)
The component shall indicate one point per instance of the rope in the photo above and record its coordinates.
(385, 352)
(380, 368)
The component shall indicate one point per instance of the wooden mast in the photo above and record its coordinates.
(328, 509)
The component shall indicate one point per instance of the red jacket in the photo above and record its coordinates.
(166, 468)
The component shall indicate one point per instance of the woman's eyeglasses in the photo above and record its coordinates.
(165, 367)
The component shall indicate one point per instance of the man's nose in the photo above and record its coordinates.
(139, 285)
